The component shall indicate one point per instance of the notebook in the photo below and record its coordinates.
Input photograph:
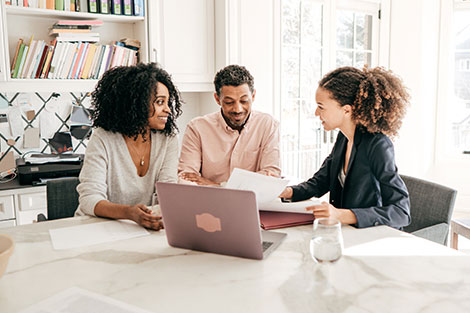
(274, 220)
(213, 219)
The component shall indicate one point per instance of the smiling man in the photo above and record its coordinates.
(235, 136)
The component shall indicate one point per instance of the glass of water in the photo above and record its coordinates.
(327, 241)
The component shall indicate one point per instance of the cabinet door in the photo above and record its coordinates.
(182, 40)
(7, 207)
(30, 205)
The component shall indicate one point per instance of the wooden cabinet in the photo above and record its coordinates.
(181, 38)
(18, 22)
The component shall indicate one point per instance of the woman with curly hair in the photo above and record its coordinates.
(133, 146)
(367, 106)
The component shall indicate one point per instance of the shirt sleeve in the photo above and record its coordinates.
(395, 208)
(191, 151)
(93, 187)
(270, 153)
(168, 171)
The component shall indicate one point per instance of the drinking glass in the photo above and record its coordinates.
(327, 241)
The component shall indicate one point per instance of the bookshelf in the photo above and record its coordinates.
(20, 22)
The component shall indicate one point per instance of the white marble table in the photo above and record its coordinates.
(383, 270)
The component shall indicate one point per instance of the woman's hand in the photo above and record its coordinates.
(143, 216)
(324, 210)
(287, 193)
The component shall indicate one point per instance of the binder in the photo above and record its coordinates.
(138, 7)
(274, 220)
(92, 6)
(127, 7)
(116, 7)
(59, 5)
(104, 6)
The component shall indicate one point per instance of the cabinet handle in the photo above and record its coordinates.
(2, 208)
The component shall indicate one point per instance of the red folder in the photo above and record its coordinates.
(273, 220)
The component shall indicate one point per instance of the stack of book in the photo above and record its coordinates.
(76, 30)
(71, 60)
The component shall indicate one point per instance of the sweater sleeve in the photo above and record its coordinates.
(93, 186)
(168, 172)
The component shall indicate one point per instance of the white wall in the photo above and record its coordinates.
(414, 43)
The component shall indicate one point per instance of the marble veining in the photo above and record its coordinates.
(382, 270)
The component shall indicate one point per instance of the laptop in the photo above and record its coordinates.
(214, 219)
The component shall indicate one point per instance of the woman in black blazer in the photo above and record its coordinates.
(367, 106)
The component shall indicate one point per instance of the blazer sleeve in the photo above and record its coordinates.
(395, 208)
(316, 186)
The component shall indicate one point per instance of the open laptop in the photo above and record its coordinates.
(213, 219)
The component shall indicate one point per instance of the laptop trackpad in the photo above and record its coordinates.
(271, 240)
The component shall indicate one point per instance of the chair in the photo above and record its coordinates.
(62, 198)
(431, 209)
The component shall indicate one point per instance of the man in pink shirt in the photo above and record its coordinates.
(235, 136)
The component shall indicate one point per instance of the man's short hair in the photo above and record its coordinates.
(233, 75)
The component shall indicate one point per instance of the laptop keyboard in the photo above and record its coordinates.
(266, 245)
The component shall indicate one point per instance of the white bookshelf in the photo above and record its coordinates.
(19, 22)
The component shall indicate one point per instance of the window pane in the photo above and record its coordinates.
(363, 58)
(363, 31)
(310, 25)
(290, 137)
(458, 111)
(344, 29)
(291, 71)
(291, 21)
(310, 72)
(344, 58)
(310, 143)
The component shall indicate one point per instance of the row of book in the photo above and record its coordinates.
(70, 60)
(118, 7)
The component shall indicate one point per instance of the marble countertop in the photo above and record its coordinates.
(382, 270)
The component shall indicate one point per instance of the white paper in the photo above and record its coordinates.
(75, 299)
(266, 188)
(91, 234)
(16, 122)
(293, 207)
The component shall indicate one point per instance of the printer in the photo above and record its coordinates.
(36, 169)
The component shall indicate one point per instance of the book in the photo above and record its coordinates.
(23, 58)
(139, 7)
(75, 39)
(59, 5)
(104, 6)
(76, 60)
(18, 62)
(41, 62)
(50, 4)
(116, 7)
(92, 6)
(88, 62)
(79, 22)
(66, 65)
(103, 62)
(47, 63)
(58, 51)
(127, 7)
(36, 59)
(18, 45)
(83, 58)
(96, 57)
(58, 31)
(29, 58)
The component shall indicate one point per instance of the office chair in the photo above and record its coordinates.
(431, 209)
(62, 198)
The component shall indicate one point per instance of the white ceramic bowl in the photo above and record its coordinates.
(6, 250)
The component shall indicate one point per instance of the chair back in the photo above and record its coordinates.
(62, 197)
(431, 204)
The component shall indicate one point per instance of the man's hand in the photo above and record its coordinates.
(143, 216)
(198, 179)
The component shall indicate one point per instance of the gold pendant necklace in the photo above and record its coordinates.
(142, 158)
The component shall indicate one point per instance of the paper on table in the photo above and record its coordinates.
(292, 207)
(91, 234)
(266, 188)
(76, 299)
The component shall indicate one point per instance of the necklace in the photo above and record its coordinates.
(142, 158)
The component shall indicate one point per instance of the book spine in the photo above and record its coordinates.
(127, 7)
(116, 7)
(92, 6)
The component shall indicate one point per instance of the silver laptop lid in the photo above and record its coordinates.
(211, 219)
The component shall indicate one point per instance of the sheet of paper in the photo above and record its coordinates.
(31, 138)
(75, 299)
(16, 122)
(292, 207)
(266, 188)
(91, 234)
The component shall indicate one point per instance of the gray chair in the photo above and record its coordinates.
(431, 209)
(62, 198)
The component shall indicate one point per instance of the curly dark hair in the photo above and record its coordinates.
(120, 101)
(233, 75)
(378, 97)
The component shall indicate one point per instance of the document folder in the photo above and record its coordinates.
(274, 220)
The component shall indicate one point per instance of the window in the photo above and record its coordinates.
(309, 49)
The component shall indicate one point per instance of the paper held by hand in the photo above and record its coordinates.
(293, 207)
(266, 188)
